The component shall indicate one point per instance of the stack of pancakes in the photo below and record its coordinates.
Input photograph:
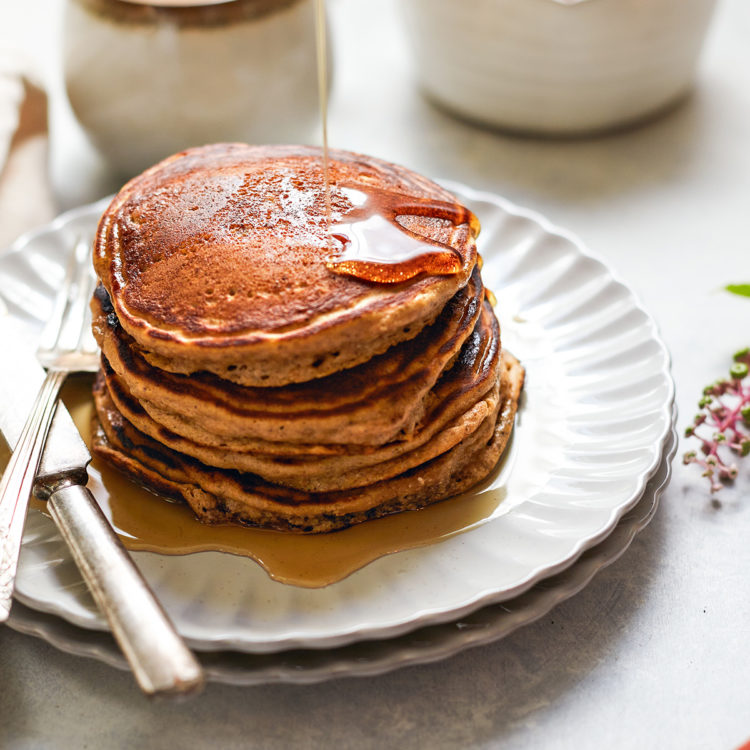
(242, 374)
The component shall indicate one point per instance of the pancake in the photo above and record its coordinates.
(317, 474)
(218, 259)
(465, 395)
(370, 404)
(220, 495)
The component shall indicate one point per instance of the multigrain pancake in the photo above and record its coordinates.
(371, 404)
(217, 259)
(463, 398)
(317, 474)
(221, 495)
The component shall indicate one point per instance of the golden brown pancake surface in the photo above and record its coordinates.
(216, 259)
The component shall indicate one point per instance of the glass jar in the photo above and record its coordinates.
(147, 79)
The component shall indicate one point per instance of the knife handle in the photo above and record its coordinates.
(161, 662)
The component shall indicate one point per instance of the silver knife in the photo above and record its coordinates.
(161, 662)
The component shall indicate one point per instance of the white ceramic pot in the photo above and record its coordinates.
(556, 66)
(147, 78)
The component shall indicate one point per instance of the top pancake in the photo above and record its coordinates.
(368, 404)
(215, 259)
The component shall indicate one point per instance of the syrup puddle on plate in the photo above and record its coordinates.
(150, 523)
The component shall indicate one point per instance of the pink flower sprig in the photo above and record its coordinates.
(723, 424)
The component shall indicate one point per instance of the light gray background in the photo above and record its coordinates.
(655, 652)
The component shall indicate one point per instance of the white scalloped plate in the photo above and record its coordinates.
(595, 414)
(368, 658)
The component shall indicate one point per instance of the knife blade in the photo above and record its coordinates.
(161, 662)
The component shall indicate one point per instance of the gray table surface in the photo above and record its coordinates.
(654, 653)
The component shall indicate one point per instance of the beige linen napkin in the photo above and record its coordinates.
(25, 193)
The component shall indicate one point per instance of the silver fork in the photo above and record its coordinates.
(160, 660)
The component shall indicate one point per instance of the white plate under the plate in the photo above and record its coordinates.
(368, 658)
(595, 413)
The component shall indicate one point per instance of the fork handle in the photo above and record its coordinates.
(160, 661)
(18, 481)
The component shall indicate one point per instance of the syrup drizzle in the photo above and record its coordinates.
(322, 60)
